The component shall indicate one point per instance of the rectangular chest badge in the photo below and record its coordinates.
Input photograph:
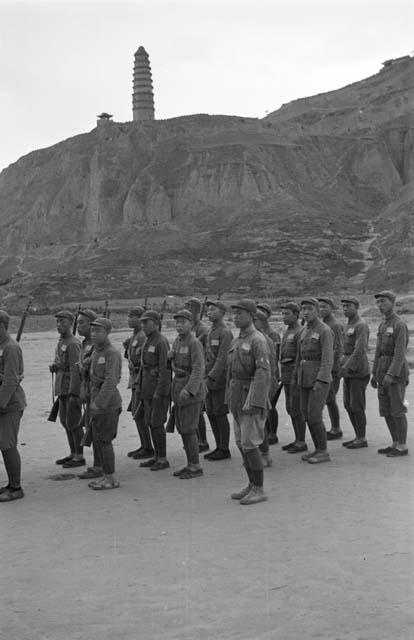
(390, 331)
(215, 343)
(63, 347)
(151, 349)
(1, 352)
(101, 360)
(290, 337)
(183, 350)
(351, 332)
(315, 336)
(245, 346)
(135, 342)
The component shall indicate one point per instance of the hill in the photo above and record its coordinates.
(317, 196)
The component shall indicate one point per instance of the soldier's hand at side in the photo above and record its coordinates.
(318, 386)
(374, 383)
(184, 394)
(52, 368)
(93, 407)
(387, 381)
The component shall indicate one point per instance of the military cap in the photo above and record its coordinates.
(4, 317)
(65, 313)
(136, 312)
(102, 322)
(386, 294)
(217, 303)
(193, 302)
(88, 313)
(245, 303)
(184, 313)
(260, 315)
(150, 315)
(266, 308)
(351, 299)
(292, 306)
(313, 301)
(327, 301)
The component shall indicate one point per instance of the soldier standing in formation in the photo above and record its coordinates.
(200, 330)
(12, 404)
(67, 388)
(154, 387)
(217, 344)
(188, 390)
(135, 344)
(354, 370)
(288, 351)
(105, 405)
(390, 374)
(272, 420)
(326, 307)
(85, 317)
(248, 377)
(313, 373)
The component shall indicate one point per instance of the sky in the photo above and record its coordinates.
(62, 63)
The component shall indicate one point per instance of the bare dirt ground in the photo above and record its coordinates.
(329, 556)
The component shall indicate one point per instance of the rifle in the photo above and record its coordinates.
(75, 322)
(23, 320)
(203, 308)
(170, 426)
(146, 303)
(54, 412)
(107, 311)
(86, 440)
(163, 308)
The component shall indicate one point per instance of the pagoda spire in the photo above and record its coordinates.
(143, 94)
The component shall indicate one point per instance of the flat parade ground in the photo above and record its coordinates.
(329, 556)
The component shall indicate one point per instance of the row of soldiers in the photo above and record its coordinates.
(207, 369)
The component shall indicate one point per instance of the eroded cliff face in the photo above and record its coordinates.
(276, 206)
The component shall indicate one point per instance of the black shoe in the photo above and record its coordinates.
(203, 446)
(396, 453)
(74, 463)
(272, 438)
(148, 463)
(4, 489)
(220, 454)
(12, 494)
(178, 473)
(348, 442)
(132, 454)
(158, 465)
(298, 448)
(358, 445)
(64, 460)
(286, 447)
(334, 435)
(386, 450)
(208, 455)
(143, 454)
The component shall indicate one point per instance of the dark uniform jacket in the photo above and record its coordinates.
(188, 366)
(274, 377)
(135, 345)
(315, 354)
(288, 352)
(217, 345)
(248, 371)
(200, 330)
(275, 338)
(155, 375)
(338, 341)
(355, 358)
(105, 374)
(12, 396)
(84, 365)
(390, 353)
(67, 356)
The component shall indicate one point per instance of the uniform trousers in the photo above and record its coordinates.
(312, 404)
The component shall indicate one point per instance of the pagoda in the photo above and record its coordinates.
(143, 94)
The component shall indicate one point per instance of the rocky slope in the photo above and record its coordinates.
(318, 196)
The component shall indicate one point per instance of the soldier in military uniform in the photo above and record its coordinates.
(272, 420)
(313, 373)
(326, 307)
(12, 404)
(354, 370)
(288, 353)
(390, 374)
(200, 330)
(188, 390)
(248, 383)
(154, 387)
(105, 405)
(217, 344)
(85, 317)
(134, 347)
(67, 388)
(260, 322)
